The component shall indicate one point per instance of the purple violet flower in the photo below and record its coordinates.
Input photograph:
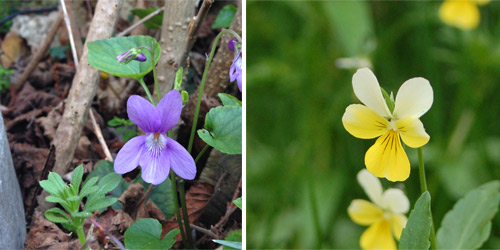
(129, 55)
(235, 72)
(155, 152)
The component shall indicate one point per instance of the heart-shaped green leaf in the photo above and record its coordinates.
(102, 55)
(223, 129)
(146, 234)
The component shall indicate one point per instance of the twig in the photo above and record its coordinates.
(135, 25)
(193, 28)
(230, 208)
(70, 32)
(98, 133)
(205, 231)
(38, 56)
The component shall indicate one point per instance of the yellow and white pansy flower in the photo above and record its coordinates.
(463, 14)
(387, 158)
(385, 215)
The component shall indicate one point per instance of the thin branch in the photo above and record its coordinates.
(135, 25)
(98, 133)
(70, 32)
(205, 231)
(39, 54)
(194, 27)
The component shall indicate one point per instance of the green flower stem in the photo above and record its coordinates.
(157, 88)
(81, 235)
(202, 84)
(423, 187)
(143, 84)
(176, 206)
(182, 194)
(201, 153)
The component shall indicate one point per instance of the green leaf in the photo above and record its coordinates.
(99, 203)
(233, 240)
(229, 100)
(58, 181)
(109, 182)
(418, 228)
(178, 78)
(352, 24)
(116, 121)
(76, 179)
(223, 129)
(50, 187)
(238, 203)
(129, 134)
(468, 224)
(160, 194)
(57, 215)
(229, 244)
(83, 214)
(225, 17)
(88, 187)
(153, 23)
(102, 56)
(146, 234)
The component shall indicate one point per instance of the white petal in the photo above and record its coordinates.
(367, 89)
(396, 201)
(414, 98)
(371, 185)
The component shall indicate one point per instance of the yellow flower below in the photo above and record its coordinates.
(385, 216)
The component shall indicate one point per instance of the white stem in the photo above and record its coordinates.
(70, 33)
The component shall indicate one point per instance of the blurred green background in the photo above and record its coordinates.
(301, 162)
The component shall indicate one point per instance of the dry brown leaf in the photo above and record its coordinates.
(44, 233)
(13, 46)
(197, 199)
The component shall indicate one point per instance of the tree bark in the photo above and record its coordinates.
(176, 18)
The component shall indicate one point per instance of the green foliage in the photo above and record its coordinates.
(123, 129)
(229, 100)
(153, 23)
(70, 196)
(178, 78)
(59, 52)
(238, 203)
(225, 17)
(5, 78)
(468, 224)
(160, 194)
(102, 55)
(418, 228)
(146, 234)
(223, 129)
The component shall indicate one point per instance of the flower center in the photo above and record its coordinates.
(392, 125)
(155, 143)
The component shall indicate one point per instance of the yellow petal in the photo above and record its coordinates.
(387, 158)
(362, 122)
(364, 212)
(378, 236)
(398, 222)
(412, 132)
(461, 14)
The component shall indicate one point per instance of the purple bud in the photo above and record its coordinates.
(141, 57)
(231, 44)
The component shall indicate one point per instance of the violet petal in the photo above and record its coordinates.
(180, 160)
(141, 57)
(128, 157)
(169, 109)
(144, 114)
(155, 166)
